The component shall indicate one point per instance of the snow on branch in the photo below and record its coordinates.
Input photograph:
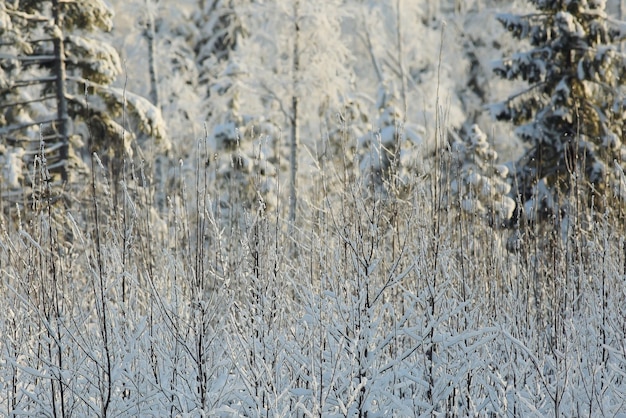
(98, 60)
(148, 117)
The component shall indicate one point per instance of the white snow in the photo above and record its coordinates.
(12, 166)
(209, 302)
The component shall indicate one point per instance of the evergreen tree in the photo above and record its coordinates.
(393, 152)
(337, 152)
(479, 184)
(572, 113)
(244, 149)
(220, 29)
(240, 144)
(246, 177)
(54, 58)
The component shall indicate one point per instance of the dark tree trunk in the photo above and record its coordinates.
(149, 34)
(59, 74)
(293, 154)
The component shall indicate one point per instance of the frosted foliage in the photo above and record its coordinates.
(179, 85)
(570, 112)
(99, 61)
(478, 182)
(541, 202)
(341, 133)
(568, 25)
(244, 150)
(220, 321)
(221, 26)
(389, 156)
(198, 298)
(323, 73)
(90, 15)
(5, 20)
(12, 166)
(91, 64)
(619, 185)
(148, 116)
(421, 42)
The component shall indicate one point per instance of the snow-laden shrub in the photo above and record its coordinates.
(12, 166)
(246, 173)
(342, 130)
(479, 183)
(391, 154)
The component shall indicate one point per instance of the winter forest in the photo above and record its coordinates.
(297, 208)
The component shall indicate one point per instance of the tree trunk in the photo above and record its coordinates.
(293, 154)
(149, 34)
(399, 123)
(59, 74)
(622, 9)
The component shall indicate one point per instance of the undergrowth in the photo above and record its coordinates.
(394, 305)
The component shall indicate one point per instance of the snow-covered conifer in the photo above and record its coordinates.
(221, 26)
(388, 155)
(246, 170)
(479, 183)
(572, 112)
(340, 135)
(56, 59)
